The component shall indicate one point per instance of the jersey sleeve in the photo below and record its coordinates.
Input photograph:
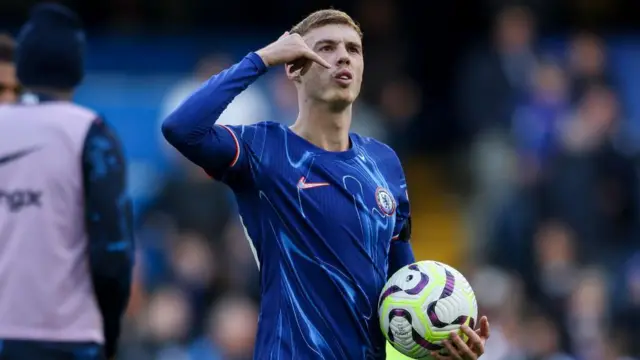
(400, 251)
(402, 229)
(191, 128)
(248, 144)
(109, 227)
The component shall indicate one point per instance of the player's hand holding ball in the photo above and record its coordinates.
(472, 349)
(290, 49)
(428, 311)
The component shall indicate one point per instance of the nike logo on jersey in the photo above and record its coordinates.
(303, 184)
(4, 160)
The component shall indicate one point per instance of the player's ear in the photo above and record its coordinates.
(293, 75)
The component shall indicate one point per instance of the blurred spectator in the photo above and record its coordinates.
(163, 328)
(242, 275)
(626, 307)
(493, 80)
(497, 74)
(587, 64)
(556, 261)
(501, 299)
(385, 46)
(542, 339)
(593, 187)
(588, 316)
(191, 201)
(8, 81)
(400, 103)
(231, 330)
(537, 122)
(195, 271)
(282, 93)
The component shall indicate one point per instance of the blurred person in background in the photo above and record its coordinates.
(9, 88)
(538, 119)
(588, 319)
(188, 201)
(238, 259)
(626, 306)
(196, 272)
(587, 64)
(65, 218)
(492, 81)
(593, 187)
(556, 264)
(501, 297)
(496, 75)
(230, 334)
(164, 327)
(543, 340)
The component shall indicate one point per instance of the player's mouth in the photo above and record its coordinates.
(343, 77)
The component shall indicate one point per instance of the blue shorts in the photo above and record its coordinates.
(49, 350)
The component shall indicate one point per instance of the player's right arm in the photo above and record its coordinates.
(190, 128)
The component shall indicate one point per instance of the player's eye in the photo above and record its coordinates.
(326, 48)
(354, 49)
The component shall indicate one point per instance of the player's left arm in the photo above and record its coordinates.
(400, 252)
(109, 228)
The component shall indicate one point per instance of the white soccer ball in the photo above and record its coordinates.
(421, 304)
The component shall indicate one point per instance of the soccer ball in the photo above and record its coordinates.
(421, 304)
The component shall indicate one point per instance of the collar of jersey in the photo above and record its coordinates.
(307, 146)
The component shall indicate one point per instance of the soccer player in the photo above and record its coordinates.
(66, 248)
(8, 82)
(326, 210)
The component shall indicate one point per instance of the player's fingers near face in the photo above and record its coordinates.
(311, 55)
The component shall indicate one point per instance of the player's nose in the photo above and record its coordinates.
(344, 60)
(343, 56)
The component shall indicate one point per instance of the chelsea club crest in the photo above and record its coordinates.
(386, 202)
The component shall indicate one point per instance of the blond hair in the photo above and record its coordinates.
(325, 17)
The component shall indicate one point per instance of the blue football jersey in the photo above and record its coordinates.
(321, 224)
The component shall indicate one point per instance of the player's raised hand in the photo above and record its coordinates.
(292, 50)
(472, 349)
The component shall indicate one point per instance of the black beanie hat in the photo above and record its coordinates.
(50, 48)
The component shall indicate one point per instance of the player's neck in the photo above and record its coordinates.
(326, 129)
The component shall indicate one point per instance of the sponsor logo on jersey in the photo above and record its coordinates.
(8, 158)
(18, 200)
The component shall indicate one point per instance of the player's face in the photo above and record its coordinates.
(340, 46)
(8, 83)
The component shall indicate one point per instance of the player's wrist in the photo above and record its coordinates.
(264, 56)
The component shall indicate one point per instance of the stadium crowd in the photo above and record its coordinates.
(547, 183)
